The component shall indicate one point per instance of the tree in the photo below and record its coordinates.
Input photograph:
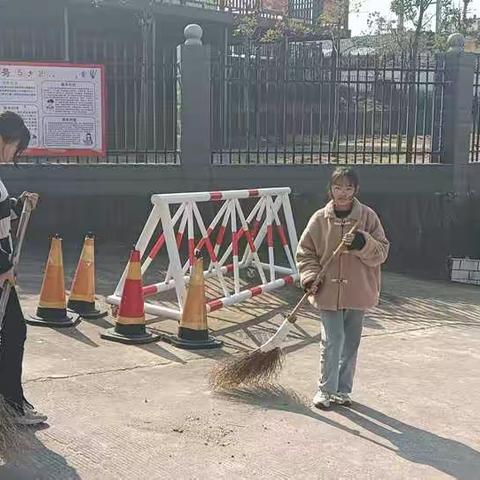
(408, 35)
(331, 24)
(415, 15)
(454, 20)
(411, 35)
(466, 3)
(333, 21)
(411, 32)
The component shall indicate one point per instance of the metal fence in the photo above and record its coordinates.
(306, 10)
(292, 104)
(475, 136)
(141, 78)
(141, 92)
(34, 44)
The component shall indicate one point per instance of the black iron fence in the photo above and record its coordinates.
(34, 44)
(141, 92)
(288, 103)
(292, 104)
(475, 138)
(141, 79)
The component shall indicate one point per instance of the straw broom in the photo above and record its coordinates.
(262, 365)
(10, 434)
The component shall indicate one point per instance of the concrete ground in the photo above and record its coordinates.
(146, 412)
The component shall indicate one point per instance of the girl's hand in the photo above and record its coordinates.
(7, 276)
(31, 197)
(348, 239)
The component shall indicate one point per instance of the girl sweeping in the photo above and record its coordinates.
(14, 138)
(351, 284)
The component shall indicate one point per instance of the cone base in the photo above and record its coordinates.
(95, 315)
(130, 339)
(200, 340)
(63, 321)
(86, 310)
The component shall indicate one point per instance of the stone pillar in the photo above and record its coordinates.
(458, 110)
(195, 111)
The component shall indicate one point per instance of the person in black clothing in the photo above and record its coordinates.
(14, 138)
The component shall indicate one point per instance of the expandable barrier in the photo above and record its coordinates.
(270, 216)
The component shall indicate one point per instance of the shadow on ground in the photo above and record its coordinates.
(277, 397)
(413, 444)
(417, 445)
(36, 462)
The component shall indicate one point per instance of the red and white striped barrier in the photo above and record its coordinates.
(222, 239)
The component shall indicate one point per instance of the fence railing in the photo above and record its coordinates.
(141, 91)
(141, 81)
(287, 103)
(306, 10)
(292, 104)
(475, 136)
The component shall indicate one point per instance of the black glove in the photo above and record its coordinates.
(358, 242)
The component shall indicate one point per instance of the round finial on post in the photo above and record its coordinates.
(456, 42)
(193, 34)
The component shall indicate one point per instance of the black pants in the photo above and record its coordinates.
(12, 341)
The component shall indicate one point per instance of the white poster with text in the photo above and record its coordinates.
(63, 106)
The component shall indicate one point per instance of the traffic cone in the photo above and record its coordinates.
(52, 310)
(82, 294)
(130, 322)
(193, 329)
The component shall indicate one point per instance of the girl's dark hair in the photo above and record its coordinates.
(344, 172)
(13, 129)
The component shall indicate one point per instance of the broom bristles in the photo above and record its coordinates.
(14, 440)
(253, 368)
(9, 432)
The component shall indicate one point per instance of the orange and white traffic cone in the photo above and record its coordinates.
(193, 328)
(130, 322)
(52, 309)
(82, 294)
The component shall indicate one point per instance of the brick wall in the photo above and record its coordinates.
(466, 270)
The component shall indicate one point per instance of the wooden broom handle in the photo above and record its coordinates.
(22, 228)
(291, 317)
(332, 257)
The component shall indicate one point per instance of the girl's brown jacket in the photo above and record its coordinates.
(353, 280)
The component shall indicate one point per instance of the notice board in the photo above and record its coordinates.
(62, 104)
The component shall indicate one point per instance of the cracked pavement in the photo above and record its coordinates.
(146, 412)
